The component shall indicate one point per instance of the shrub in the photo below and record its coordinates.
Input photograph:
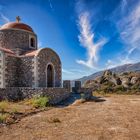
(3, 118)
(125, 73)
(39, 102)
(3, 106)
(106, 89)
(135, 87)
(119, 88)
(14, 110)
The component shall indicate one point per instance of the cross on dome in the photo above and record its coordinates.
(18, 19)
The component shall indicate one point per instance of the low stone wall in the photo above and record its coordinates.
(18, 93)
(87, 92)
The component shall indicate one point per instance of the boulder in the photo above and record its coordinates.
(134, 80)
(125, 82)
(107, 73)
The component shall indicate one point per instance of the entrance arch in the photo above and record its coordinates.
(50, 75)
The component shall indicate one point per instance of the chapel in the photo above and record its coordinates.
(22, 64)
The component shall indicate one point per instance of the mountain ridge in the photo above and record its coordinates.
(119, 69)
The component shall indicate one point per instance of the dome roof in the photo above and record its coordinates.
(17, 25)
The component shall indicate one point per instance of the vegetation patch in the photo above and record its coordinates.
(54, 120)
(113, 83)
(10, 112)
(3, 117)
(3, 106)
(39, 102)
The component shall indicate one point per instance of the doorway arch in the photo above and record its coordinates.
(50, 75)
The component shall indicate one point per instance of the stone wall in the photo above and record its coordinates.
(67, 85)
(18, 71)
(2, 69)
(85, 92)
(26, 72)
(13, 39)
(31, 71)
(48, 56)
(55, 95)
(11, 70)
(78, 85)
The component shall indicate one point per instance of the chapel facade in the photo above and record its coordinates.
(22, 64)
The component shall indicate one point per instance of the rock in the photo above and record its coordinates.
(107, 73)
(118, 81)
(113, 81)
(125, 82)
(134, 80)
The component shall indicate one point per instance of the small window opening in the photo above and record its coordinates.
(32, 42)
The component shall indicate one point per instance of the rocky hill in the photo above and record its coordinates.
(113, 82)
(120, 69)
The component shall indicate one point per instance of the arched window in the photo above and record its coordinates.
(32, 42)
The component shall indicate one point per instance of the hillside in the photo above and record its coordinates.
(111, 82)
(120, 69)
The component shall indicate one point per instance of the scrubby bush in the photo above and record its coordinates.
(3, 106)
(119, 88)
(109, 84)
(39, 102)
(136, 87)
(125, 73)
(106, 88)
(3, 118)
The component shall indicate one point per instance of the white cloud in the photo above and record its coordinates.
(117, 62)
(50, 3)
(123, 5)
(86, 39)
(67, 71)
(4, 18)
(130, 29)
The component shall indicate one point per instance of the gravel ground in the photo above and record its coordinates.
(117, 117)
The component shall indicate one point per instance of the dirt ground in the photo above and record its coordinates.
(115, 118)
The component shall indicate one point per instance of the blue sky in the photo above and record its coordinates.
(88, 35)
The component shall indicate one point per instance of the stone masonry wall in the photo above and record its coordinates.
(18, 71)
(55, 95)
(13, 39)
(67, 85)
(26, 72)
(2, 69)
(11, 71)
(45, 57)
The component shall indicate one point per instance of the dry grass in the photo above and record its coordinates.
(4, 106)
(54, 120)
(10, 111)
(39, 102)
(115, 118)
(3, 117)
